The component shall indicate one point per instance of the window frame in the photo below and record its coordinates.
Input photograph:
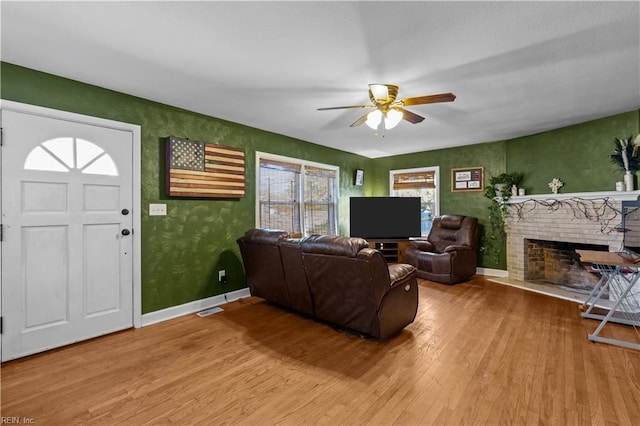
(301, 185)
(436, 178)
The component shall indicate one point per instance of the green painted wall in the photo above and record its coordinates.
(182, 252)
(577, 155)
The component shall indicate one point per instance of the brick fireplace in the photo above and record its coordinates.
(557, 263)
(543, 232)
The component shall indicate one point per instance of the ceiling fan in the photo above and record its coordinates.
(390, 111)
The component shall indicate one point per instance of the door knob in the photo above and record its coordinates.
(125, 212)
(125, 232)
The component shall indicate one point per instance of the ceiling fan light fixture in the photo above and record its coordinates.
(374, 118)
(380, 92)
(392, 118)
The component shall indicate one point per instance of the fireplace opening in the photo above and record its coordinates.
(557, 263)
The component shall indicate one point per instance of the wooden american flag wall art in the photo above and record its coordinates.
(200, 169)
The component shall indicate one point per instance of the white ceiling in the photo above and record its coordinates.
(517, 68)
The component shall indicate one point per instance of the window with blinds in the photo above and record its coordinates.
(297, 196)
(423, 183)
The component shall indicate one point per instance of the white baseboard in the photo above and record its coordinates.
(192, 307)
(492, 272)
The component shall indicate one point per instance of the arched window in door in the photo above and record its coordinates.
(66, 154)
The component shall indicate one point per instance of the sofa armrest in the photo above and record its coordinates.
(366, 253)
(455, 247)
(399, 306)
(399, 272)
(333, 245)
(423, 245)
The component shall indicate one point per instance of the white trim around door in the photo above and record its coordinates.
(136, 213)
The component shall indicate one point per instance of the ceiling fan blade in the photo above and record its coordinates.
(359, 121)
(410, 116)
(345, 107)
(428, 99)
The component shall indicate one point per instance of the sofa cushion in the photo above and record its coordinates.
(333, 245)
(448, 221)
(296, 280)
(265, 236)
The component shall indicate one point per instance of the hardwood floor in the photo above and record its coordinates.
(478, 353)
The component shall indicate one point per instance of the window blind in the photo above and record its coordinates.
(414, 180)
(278, 193)
(320, 201)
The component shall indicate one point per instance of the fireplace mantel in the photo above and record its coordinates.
(612, 195)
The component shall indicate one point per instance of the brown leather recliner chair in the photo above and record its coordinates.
(449, 255)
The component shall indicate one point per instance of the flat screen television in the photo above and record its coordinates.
(384, 217)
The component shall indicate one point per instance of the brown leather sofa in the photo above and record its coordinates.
(449, 255)
(339, 280)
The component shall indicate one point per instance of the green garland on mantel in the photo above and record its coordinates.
(593, 209)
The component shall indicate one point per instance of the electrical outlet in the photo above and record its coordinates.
(157, 209)
(222, 276)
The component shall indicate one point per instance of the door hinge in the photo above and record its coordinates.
(1, 325)
(1, 136)
(1, 232)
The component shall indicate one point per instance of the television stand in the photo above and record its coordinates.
(392, 249)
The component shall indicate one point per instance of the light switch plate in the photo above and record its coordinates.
(157, 209)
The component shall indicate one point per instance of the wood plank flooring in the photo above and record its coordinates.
(478, 353)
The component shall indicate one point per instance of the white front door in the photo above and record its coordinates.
(67, 198)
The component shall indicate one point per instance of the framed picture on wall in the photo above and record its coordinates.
(203, 170)
(467, 179)
(358, 179)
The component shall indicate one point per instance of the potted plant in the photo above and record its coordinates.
(499, 192)
(626, 157)
(499, 188)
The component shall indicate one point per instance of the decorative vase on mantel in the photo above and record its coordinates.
(628, 181)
